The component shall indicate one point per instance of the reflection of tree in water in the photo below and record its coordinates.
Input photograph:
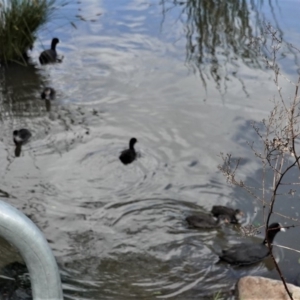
(218, 33)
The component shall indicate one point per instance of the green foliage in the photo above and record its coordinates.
(19, 22)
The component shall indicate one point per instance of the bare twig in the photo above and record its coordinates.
(278, 134)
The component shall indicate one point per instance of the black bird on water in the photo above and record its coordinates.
(20, 137)
(234, 214)
(129, 155)
(48, 93)
(249, 253)
(49, 55)
(206, 221)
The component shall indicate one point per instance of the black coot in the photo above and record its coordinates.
(129, 155)
(234, 214)
(21, 137)
(248, 253)
(50, 55)
(206, 221)
(48, 93)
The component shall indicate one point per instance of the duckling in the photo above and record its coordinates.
(234, 214)
(49, 55)
(206, 221)
(48, 93)
(129, 155)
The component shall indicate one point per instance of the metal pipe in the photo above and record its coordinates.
(22, 233)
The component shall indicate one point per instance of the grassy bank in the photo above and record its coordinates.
(19, 22)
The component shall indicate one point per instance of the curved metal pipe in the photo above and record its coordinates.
(22, 233)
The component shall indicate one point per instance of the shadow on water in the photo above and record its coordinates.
(20, 92)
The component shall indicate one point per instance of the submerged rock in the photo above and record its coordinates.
(260, 288)
(15, 282)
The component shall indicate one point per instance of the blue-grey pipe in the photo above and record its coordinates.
(22, 233)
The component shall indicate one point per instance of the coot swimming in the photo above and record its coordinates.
(206, 221)
(50, 55)
(249, 253)
(48, 93)
(21, 137)
(129, 155)
(234, 214)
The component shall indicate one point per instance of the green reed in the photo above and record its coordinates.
(19, 23)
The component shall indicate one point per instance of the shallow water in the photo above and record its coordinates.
(118, 232)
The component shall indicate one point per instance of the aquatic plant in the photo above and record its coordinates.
(19, 23)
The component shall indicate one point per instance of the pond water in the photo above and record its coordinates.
(182, 79)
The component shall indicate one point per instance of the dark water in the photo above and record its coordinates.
(182, 79)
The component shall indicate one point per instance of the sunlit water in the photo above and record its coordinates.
(119, 232)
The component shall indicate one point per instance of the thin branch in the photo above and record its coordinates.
(288, 248)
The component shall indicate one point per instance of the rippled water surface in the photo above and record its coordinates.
(142, 69)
